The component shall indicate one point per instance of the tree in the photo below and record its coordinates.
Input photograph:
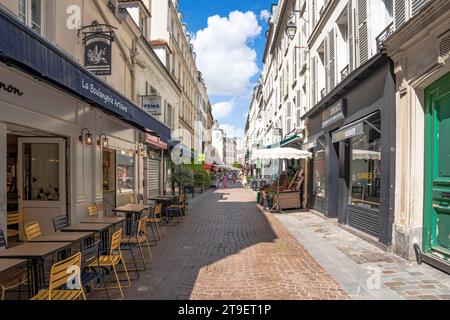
(182, 176)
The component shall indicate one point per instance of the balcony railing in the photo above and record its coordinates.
(381, 38)
(344, 72)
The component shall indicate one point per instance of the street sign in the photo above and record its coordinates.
(152, 104)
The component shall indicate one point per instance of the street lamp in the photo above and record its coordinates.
(291, 29)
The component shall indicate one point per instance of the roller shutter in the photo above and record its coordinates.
(153, 176)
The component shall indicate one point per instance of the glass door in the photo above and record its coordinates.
(42, 180)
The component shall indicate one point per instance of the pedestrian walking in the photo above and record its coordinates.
(225, 181)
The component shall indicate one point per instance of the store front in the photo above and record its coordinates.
(155, 166)
(351, 135)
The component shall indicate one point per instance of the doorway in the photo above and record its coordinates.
(436, 236)
(109, 180)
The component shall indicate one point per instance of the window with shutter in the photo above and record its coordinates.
(399, 12)
(417, 5)
(351, 38)
(363, 32)
(314, 80)
(331, 60)
(327, 66)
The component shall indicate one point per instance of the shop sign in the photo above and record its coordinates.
(103, 95)
(97, 43)
(152, 105)
(348, 133)
(333, 114)
(8, 88)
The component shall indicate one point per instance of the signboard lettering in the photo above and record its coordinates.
(333, 114)
(152, 105)
(351, 132)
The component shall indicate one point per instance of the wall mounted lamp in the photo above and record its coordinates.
(102, 141)
(87, 138)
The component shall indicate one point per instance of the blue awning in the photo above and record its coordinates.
(22, 47)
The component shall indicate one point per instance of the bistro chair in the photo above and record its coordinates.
(100, 208)
(155, 218)
(114, 258)
(179, 208)
(133, 199)
(32, 230)
(60, 222)
(90, 254)
(93, 211)
(138, 238)
(14, 219)
(140, 198)
(15, 279)
(62, 274)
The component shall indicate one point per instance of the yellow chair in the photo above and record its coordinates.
(14, 219)
(133, 199)
(32, 230)
(180, 207)
(138, 238)
(100, 208)
(156, 218)
(93, 211)
(63, 274)
(114, 258)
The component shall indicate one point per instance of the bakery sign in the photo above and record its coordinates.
(333, 114)
(97, 41)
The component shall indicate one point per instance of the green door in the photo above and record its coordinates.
(437, 175)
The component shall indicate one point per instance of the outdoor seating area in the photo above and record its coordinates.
(98, 253)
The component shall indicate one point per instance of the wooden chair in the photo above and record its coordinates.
(32, 230)
(14, 219)
(114, 258)
(63, 274)
(155, 218)
(93, 211)
(14, 279)
(138, 238)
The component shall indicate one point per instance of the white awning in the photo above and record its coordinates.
(280, 153)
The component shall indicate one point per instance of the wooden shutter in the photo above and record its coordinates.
(313, 80)
(331, 60)
(351, 38)
(417, 5)
(327, 67)
(399, 13)
(363, 32)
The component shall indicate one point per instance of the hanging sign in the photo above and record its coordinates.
(333, 114)
(350, 132)
(97, 43)
(152, 105)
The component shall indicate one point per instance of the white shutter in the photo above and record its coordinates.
(351, 38)
(363, 32)
(313, 80)
(327, 67)
(331, 60)
(153, 175)
(399, 13)
(417, 5)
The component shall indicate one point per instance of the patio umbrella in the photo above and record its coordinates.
(280, 153)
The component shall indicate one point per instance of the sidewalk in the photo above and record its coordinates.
(363, 270)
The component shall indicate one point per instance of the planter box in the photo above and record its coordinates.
(289, 200)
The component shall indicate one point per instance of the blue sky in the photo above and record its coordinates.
(229, 51)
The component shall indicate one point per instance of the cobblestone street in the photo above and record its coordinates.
(228, 249)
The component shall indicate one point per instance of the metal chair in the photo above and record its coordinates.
(14, 219)
(100, 208)
(89, 254)
(61, 274)
(32, 230)
(93, 211)
(60, 222)
(179, 208)
(138, 238)
(155, 218)
(112, 260)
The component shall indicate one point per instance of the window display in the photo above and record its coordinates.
(365, 166)
(320, 177)
(125, 169)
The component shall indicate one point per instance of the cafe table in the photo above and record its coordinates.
(104, 220)
(83, 238)
(9, 265)
(100, 228)
(36, 253)
(132, 213)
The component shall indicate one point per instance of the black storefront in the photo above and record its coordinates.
(351, 134)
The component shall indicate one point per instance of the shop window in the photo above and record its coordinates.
(320, 173)
(365, 166)
(125, 168)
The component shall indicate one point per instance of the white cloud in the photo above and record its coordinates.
(223, 53)
(222, 109)
(264, 15)
(232, 131)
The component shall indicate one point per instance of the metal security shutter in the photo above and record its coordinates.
(351, 38)
(363, 32)
(332, 60)
(399, 13)
(417, 5)
(367, 221)
(153, 175)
